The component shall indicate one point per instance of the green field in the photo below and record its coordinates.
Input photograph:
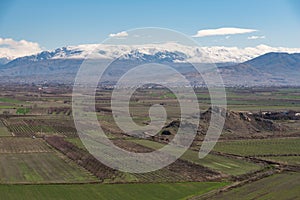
(32, 169)
(260, 147)
(40, 168)
(9, 100)
(225, 165)
(255, 99)
(222, 164)
(26, 160)
(7, 107)
(23, 111)
(157, 191)
(11, 104)
(279, 187)
(291, 160)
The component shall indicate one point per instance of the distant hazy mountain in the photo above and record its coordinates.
(280, 63)
(268, 69)
(254, 69)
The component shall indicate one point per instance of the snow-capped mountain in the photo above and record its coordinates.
(215, 54)
(174, 51)
(260, 67)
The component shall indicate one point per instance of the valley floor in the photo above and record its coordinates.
(42, 157)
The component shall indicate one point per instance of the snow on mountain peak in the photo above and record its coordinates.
(217, 54)
(172, 51)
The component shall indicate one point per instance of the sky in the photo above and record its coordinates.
(56, 23)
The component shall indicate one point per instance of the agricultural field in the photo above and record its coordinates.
(27, 160)
(225, 165)
(9, 100)
(256, 99)
(13, 105)
(244, 99)
(262, 147)
(159, 191)
(41, 168)
(23, 145)
(77, 142)
(281, 150)
(3, 130)
(279, 186)
(188, 171)
(22, 111)
(290, 160)
(39, 145)
(34, 126)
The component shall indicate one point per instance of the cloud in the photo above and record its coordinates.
(255, 37)
(222, 31)
(12, 49)
(118, 35)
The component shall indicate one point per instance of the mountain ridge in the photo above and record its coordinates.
(272, 68)
(214, 54)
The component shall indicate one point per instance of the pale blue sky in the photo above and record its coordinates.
(57, 23)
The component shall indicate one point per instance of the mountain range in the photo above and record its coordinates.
(261, 65)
